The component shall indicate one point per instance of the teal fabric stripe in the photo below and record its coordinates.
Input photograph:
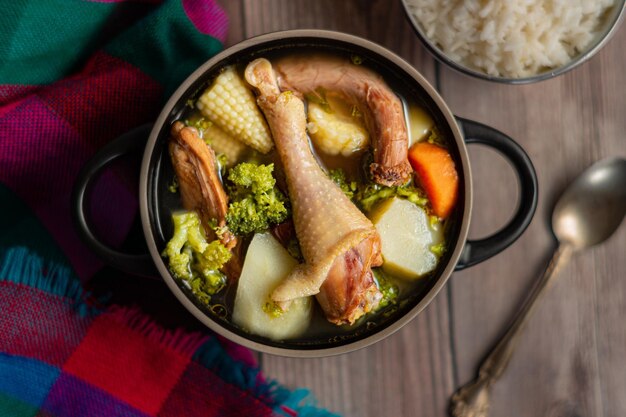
(25, 379)
(22, 266)
(11, 407)
(34, 52)
(212, 356)
(165, 45)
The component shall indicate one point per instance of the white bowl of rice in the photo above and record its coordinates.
(514, 41)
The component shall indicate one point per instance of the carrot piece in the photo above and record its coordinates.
(437, 174)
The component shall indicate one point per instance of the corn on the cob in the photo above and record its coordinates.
(230, 104)
(222, 143)
(337, 128)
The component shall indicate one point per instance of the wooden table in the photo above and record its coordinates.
(572, 359)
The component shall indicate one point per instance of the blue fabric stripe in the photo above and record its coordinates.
(25, 379)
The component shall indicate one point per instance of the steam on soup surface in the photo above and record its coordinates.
(314, 197)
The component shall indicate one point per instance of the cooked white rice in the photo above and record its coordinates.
(510, 38)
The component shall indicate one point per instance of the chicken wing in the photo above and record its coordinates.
(200, 186)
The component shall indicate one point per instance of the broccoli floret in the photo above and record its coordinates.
(256, 202)
(214, 256)
(194, 260)
(439, 249)
(389, 290)
(252, 177)
(339, 178)
(179, 258)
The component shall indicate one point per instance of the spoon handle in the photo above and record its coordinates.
(472, 399)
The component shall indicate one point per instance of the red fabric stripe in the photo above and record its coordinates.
(139, 372)
(191, 398)
(108, 98)
(40, 160)
(12, 93)
(207, 17)
(36, 324)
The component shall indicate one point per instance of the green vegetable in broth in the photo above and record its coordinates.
(256, 203)
(272, 309)
(367, 195)
(173, 186)
(339, 177)
(439, 249)
(199, 122)
(371, 194)
(389, 290)
(194, 260)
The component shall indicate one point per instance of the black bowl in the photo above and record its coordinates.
(157, 203)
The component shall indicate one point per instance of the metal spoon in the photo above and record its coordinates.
(589, 211)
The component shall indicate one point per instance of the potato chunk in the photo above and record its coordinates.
(420, 124)
(336, 128)
(406, 236)
(267, 263)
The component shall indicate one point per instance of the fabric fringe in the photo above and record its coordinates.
(23, 266)
(178, 340)
(285, 402)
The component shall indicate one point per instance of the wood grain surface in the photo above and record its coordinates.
(571, 361)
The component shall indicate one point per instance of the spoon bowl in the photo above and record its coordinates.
(593, 205)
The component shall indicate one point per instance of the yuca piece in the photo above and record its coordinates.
(407, 236)
(230, 104)
(267, 264)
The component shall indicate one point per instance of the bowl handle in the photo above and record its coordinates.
(132, 141)
(476, 251)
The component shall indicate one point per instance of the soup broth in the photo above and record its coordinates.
(423, 126)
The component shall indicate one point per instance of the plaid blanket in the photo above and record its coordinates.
(63, 355)
(75, 74)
